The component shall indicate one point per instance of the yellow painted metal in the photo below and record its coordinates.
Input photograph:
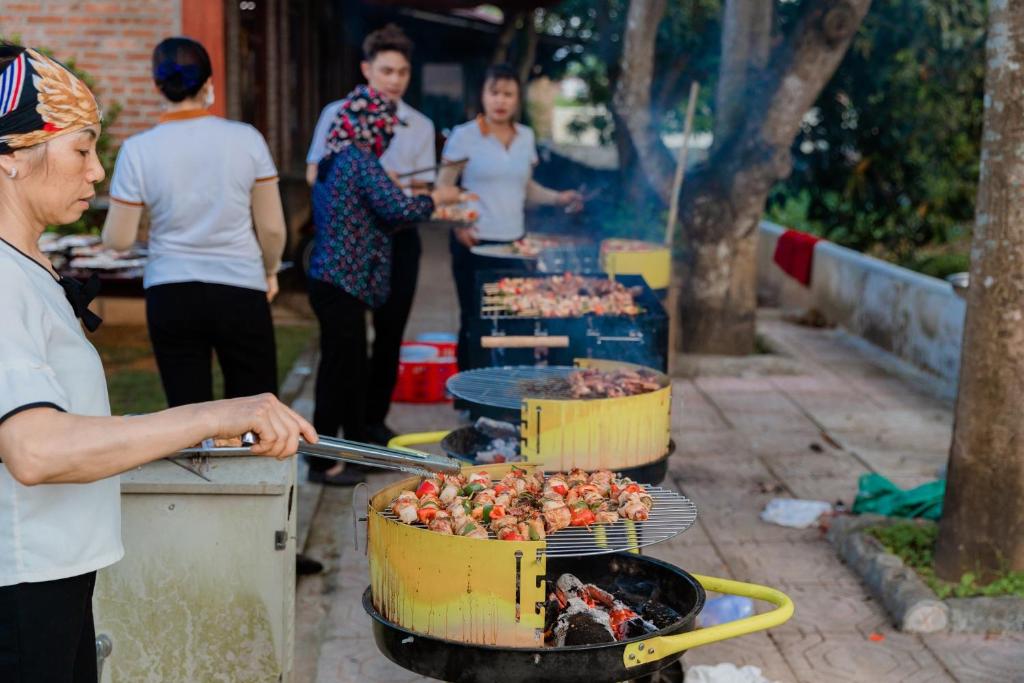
(417, 439)
(653, 649)
(474, 591)
(613, 433)
(654, 264)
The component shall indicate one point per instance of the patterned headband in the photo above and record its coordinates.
(364, 118)
(39, 100)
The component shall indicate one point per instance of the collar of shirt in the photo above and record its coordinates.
(184, 115)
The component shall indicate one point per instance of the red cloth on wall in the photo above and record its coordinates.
(794, 253)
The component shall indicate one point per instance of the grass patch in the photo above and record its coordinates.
(133, 381)
(914, 543)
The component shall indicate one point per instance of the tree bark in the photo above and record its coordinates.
(508, 34)
(982, 527)
(746, 43)
(632, 98)
(723, 201)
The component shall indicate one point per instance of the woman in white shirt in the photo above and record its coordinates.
(55, 423)
(501, 155)
(207, 183)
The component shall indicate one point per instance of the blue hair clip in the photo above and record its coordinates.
(189, 73)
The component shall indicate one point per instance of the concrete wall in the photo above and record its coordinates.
(917, 317)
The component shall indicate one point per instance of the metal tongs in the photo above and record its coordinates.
(382, 457)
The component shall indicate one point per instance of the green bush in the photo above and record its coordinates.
(888, 160)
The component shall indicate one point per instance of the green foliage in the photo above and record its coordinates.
(686, 49)
(889, 159)
(914, 543)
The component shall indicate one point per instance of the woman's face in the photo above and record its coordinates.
(57, 181)
(501, 100)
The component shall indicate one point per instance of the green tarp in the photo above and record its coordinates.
(879, 495)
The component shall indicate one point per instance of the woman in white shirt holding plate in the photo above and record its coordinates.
(500, 156)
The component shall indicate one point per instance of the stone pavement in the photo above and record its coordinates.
(805, 424)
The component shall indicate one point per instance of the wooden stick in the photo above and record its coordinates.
(677, 181)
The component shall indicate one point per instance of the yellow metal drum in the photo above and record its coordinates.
(632, 257)
(609, 433)
(465, 589)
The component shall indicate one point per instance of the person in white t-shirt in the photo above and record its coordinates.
(216, 234)
(501, 155)
(60, 449)
(387, 68)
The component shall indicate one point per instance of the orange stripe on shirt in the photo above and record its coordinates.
(266, 179)
(126, 202)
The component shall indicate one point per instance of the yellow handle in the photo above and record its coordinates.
(416, 439)
(653, 649)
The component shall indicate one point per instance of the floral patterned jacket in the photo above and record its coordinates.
(356, 207)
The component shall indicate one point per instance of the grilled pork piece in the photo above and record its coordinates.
(442, 523)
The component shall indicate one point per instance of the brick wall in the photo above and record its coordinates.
(112, 40)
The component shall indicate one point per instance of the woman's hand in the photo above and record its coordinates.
(571, 200)
(467, 236)
(449, 194)
(272, 287)
(277, 426)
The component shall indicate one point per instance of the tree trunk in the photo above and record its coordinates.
(746, 44)
(632, 99)
(722, 203)
(982, 528)
(508, 34)
(529, 53)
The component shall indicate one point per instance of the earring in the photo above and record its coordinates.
(13, 173)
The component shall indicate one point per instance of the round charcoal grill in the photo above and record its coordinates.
(672, 514)
(505, 388)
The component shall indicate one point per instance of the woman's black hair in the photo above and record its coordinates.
(500, 72)
(181, 66)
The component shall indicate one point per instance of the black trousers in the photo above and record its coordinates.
(465, 269)
(389, 324)
(189, 321)
(47, 633)
(343, 372)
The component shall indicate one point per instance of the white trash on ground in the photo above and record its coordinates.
(724, 673)
(793, 512)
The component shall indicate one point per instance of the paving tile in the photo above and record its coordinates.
(783, 441)
(821, 385)
(931, 439)
(756, 649)
(785, 562)
(872, 420)
(742, 470)
(357, 659)
(790, 425)
(728, 384)
(827, 609)
(899, 461)
(853, 657)
(829, 463)
(697, 442)
(818, 403)
(829, 489)
(739, 520)
(753, 402)
(980, 658)
(696, 559)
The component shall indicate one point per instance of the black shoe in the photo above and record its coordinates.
(379, 434)
(347, 477)
(304, 566)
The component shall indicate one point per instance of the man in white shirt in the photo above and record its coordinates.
(387, 68)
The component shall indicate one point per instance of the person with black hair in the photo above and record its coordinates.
(207, 183)
(387, 68)
(61, 451)
(501, 155)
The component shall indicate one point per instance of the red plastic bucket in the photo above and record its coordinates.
(422, 374)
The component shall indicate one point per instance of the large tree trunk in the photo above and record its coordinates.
(982, 528)
(722, 202)
(746, 44)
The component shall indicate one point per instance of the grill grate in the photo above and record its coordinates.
(672, 514)
(502, 387)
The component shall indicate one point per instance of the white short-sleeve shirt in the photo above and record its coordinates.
(497, 175)
(195, 175)
(50, 531)
(410, 149)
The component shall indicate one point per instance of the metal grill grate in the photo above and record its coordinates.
(672, 514)
(502, 387)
